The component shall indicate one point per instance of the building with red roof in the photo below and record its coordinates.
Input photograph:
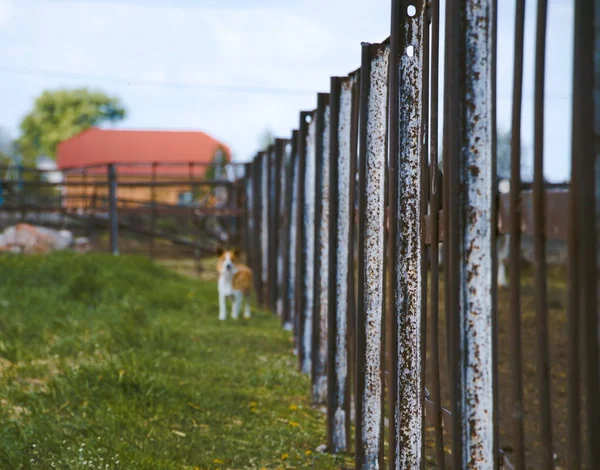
(138, 154)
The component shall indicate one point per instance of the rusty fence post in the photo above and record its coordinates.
(340, 211)
(583, 160)
(272, 218)
(113, 215)
(248, 212)
(321, 256)
(308, 247)
(472, 260)
(371, 213)
(299, 320)
(407, 128)
(280, 156)
(257, 220)
(264, 225)
(290, 236)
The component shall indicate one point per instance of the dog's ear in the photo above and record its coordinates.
(220, 251)
(236, 252)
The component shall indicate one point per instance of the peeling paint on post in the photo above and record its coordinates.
(278, 224)
(264, 223)
(406, 154)
(475, 237)
(369, 334)
(338, 409)
(308, 247)
(322, 192)
(290, 240)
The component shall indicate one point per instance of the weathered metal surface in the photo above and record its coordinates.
(113, 214)
(289, 237)
(584, 153)
(249, 208)
(278, 152)
(372, 161)
(308, 247)
(406, 154)
(281, 149)
(339, 235)
(475, 236)
(264, 221)
(299, 298)
(272, 243)
(546, 457)
(322, 195)
(257, 218)
(516, 387)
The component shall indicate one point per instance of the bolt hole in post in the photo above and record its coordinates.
(410, 51)
(411, 10)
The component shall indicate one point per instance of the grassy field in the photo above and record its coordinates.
(122, 364)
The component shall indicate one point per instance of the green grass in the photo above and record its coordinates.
(122, 364)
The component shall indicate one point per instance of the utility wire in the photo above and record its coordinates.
(134, 82)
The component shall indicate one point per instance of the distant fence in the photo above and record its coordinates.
(344, 220)
(188, 204)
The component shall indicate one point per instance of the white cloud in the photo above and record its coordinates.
(267, 43)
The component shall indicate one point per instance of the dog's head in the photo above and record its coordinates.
(227, 259)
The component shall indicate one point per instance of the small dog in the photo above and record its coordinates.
(234, 280)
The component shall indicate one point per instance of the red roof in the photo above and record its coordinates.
(137, 147)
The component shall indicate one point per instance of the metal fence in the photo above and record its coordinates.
(427, 357)
(190, 206)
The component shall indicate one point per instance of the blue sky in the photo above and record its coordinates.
(164, 58)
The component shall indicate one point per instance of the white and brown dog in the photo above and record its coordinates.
(235, 280)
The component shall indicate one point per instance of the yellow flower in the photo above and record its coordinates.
(218, 461)
(293, 407)
(293, 424)
(253, 404)
(284, 456)
(308, 452)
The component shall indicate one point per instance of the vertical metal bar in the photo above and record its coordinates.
(449, 147)
(353, 241)
(248, 211)
(308, 276)
(257, 234)
(406, 154)
(341, 211)
(468, 217)
(282, 167)
(473, 210)
(153, 213)
(494, 293)
(515, 351)
(289, 241)
(276, 156)
(301, 242)
(112, 210)
(321, 256)
(369, 314)
(271, 248)
(584, 153)
(264, 226)
(423, 206)
(539, 244)
(435, 207)
(573, 306)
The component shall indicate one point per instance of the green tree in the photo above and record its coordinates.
(60, 114)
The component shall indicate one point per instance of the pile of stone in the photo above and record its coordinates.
(26, 238)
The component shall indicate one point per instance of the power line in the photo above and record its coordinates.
(135, 82)
(132, 82)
